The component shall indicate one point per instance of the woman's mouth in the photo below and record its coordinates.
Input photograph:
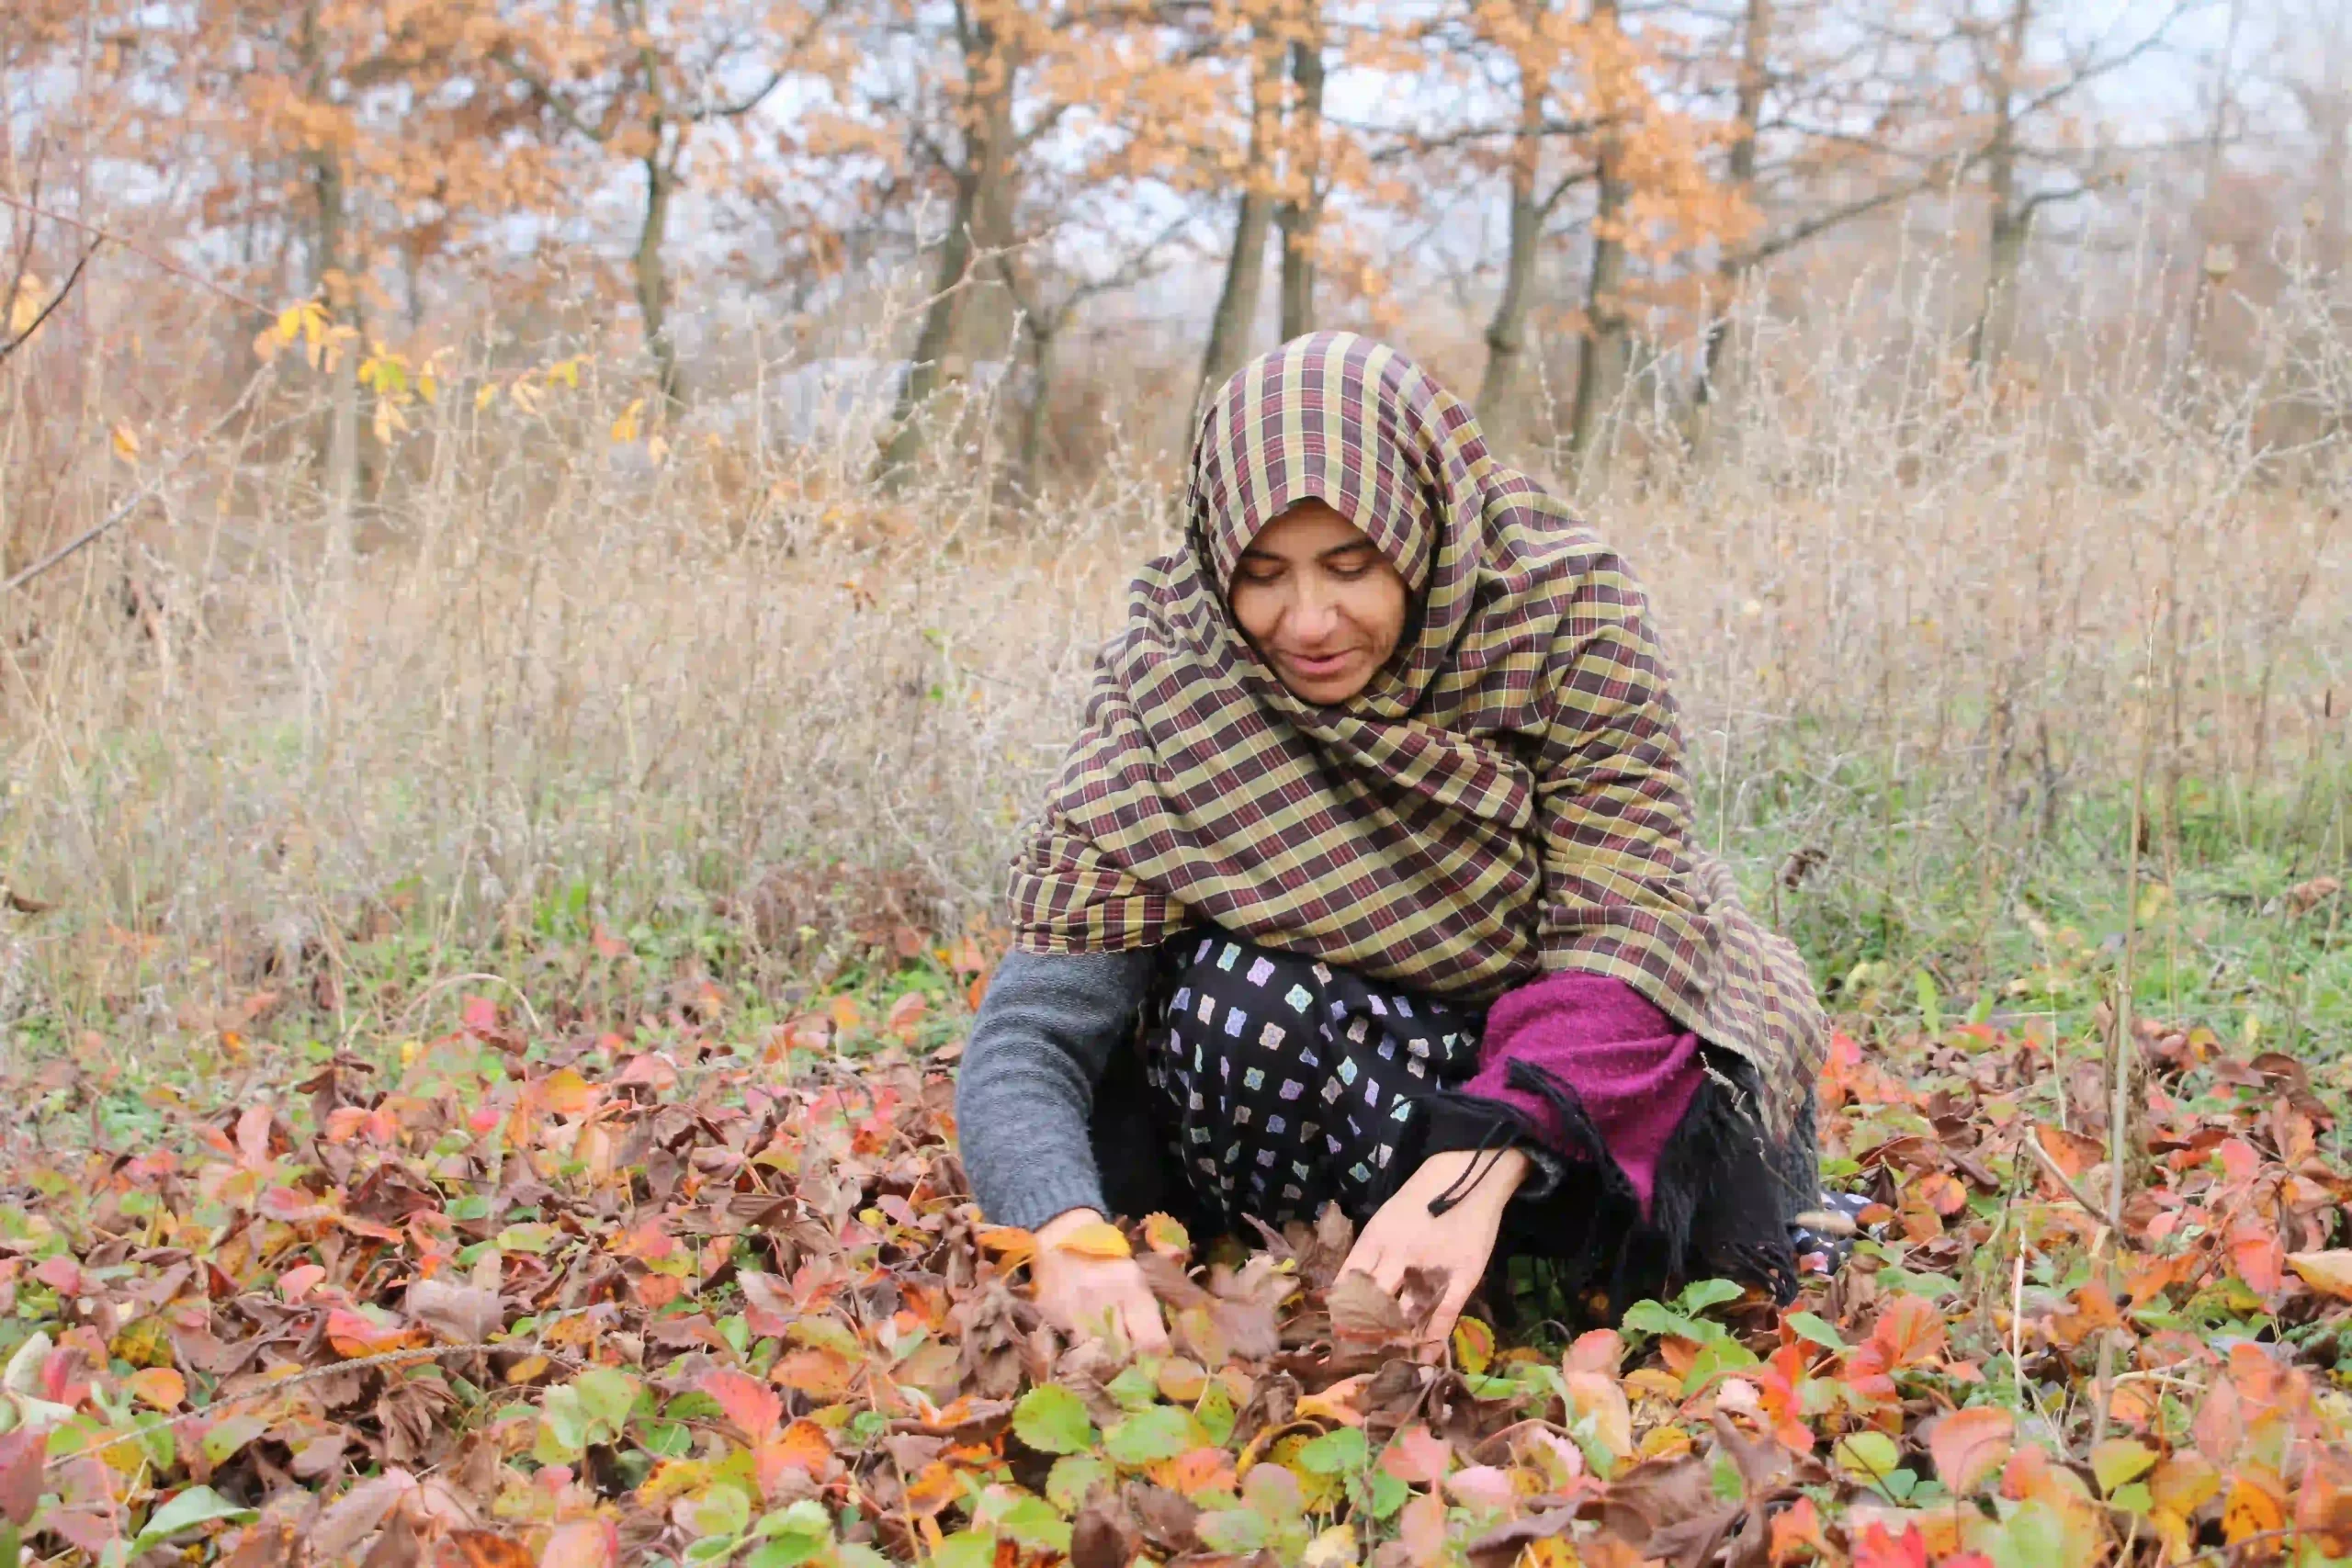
(1318, 666)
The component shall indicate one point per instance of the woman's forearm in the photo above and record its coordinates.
(1045, 1032)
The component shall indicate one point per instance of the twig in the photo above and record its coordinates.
(2118, 1076)
(139, 497)
(361, 1364)
(96, 231)
(146, 492)
(400, 1026)
(2061, 1179)
(64, 288)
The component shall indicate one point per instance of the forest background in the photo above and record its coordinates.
(594, 518)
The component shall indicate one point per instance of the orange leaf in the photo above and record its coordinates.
(1942, 1192)
(2259, 1258)
(354, 1335)
(2070, 1152)
(905, 1014)
(1909, 1331)
(803, 1447)
(158, 1386)
(484, 1548)
(2257, 1504)
(1969, 1445)
(1013, 1245)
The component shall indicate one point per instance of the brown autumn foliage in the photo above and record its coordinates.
(601, 1289)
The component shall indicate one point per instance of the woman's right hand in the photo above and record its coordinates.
(1083, 1294)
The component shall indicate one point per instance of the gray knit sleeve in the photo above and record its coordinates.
(1047, 1028)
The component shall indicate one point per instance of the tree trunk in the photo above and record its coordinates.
(984, 325)
(1996, 319)
(1031, 454)
(1500, 391)
(2216, 132)
(331, 276)
(1600, 366)
(1300, 215)
(1747, 111)
(652, 275)
(983, 204)
(1245, 266)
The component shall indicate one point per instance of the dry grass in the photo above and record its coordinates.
(1919, 619)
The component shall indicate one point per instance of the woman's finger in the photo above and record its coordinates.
(1145, 1330)
(1449, 1313)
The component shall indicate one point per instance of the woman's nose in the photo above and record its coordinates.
(1314, 615)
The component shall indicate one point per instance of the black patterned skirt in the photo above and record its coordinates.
(1265, 1085)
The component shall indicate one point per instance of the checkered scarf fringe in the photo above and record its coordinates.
(1506, 799)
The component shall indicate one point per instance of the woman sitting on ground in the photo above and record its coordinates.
(1370, 882)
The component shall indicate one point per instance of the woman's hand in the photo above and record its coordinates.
(1081, 1294)
(1404, 1234)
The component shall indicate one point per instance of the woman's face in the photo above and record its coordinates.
(1319, 602)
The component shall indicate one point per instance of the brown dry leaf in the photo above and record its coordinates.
(462, 1314)
(1657, 1494)
(1104, 1536)
(2306, 897)
(1362, 1312)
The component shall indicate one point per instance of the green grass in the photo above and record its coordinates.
(1907, 907)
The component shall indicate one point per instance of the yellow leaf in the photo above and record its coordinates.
(657, 448)
(566, 1093)
(1096, 1238)
(25, 308)
(527, 1369)
(2329, 1271)
(1166, 1236)
(625, 427)
(126, 442)
(486, 394)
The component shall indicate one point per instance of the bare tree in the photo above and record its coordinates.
(641, 93)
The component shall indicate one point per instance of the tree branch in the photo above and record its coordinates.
(72, 278)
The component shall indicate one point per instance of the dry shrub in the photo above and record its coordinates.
(681, 680)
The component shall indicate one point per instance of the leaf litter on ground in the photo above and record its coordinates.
(585, 1301)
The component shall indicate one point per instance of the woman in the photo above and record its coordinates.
(1370, 881)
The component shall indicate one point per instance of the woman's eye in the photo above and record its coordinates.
(1348, 571)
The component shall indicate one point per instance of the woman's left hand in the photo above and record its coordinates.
(1404, 1234)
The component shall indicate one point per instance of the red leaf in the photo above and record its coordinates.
(756, 1408)
(1418, 1456)
(20, 1459)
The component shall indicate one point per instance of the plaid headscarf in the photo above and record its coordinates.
(1504, 799)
